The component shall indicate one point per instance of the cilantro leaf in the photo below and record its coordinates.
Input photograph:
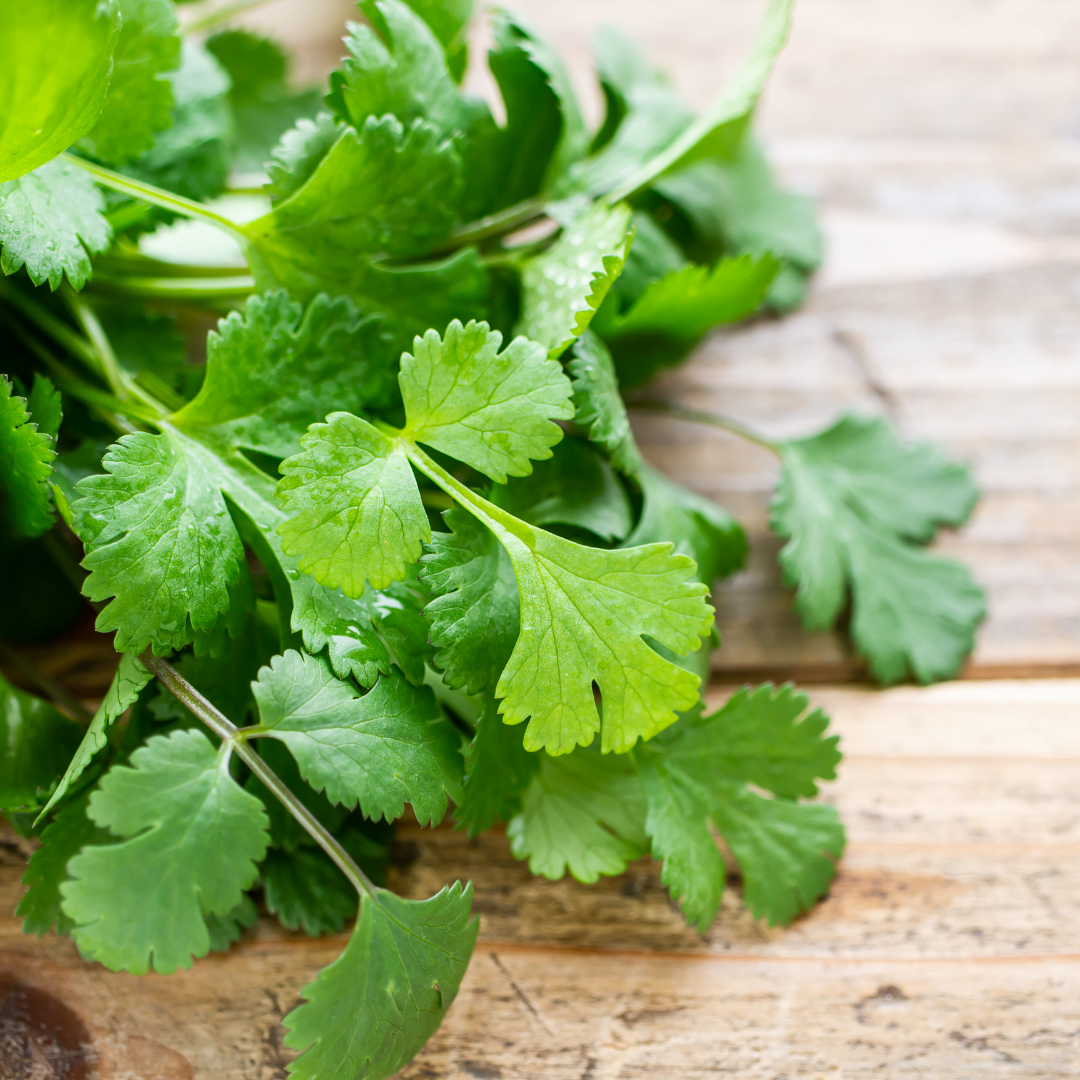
(45, 406)
(474, 611)
(584, 612)
(545, 131)
(497, 770)
(224, 930)
(358, 514)
(298, 153)
(671, 315)
(648, 115)
(191, 837)
(697, 773)
(140, 99)
(51, 223)
(575, 487)
(697, 527)
(583, 812)
(492, 410)
(306, 891)
(128, 681)
(448, 20)
(273, 369)
(382, 188)
(263, 106)
(47, 105)
(563, 286)
(156, 528)
(144, 341)
(381, 750)
(63, 837)
(35, 744)
(853, 504)
(370, 1011)
(26, 456)
(599, 405)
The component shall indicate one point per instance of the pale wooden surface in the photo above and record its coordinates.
(948, 947)
(943, 140)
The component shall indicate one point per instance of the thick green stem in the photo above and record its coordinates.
(699, 416)
(227, 731)
(234, 287)
(136, 189)
(500, 224)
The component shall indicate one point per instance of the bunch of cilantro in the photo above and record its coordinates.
(392, 541)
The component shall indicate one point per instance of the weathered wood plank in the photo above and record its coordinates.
(961, 886)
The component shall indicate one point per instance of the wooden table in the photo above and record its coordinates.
(943, 141)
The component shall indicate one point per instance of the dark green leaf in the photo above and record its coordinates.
(26, 456)
(306, 891)
(224, 930)
(599, 405)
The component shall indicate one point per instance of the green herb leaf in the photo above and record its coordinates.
(298, 153)
(225, 930)
(306, 891)
(853, 504)
(191, 839)
(47, 105)
(474, 611)
(497, 771)
(583, 813)
(26, 456)
(140, 99)
(448, 20)
(492, 410)
(35, 744)
(698, 773)
(51, 223)
(370, 1011)
(599, 405)
(128, 681)
(66, 834)
(358, 514)
(563, 287)
(381, 750)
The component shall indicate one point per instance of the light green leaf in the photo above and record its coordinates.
(853, 504)
(128, 681)
(599, 405)
(357, 511)
(575, 487)
(26, 456)
(370, 1011)
(159, 539)
(474, 611)
(765, 737)
(449, 20)
(584, 613)
(583, 813)
(51, 223)
(35, 744)
(298, 154)
(563, 286)
(383, 189)
(381, 750)
(45, 406)
(274, 368)
(140, 99)
(650, 115)
(492, 410)
(58, 59)
(191, 839)
(497, 771)
(46, 871)
(719, 131)
(306, 891)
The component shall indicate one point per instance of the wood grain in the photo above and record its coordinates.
(949, 944)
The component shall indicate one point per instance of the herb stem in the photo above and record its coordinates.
(61, 696)
(700, 416)
(136, 189)
(57, 329)
(498, 224)
(234, 286)
(228, 732)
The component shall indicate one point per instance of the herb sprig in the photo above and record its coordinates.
(393, 542)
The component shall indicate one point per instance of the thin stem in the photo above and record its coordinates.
(210, 19)
(136, 189)
(699, 416)
(62, 697)
(227, 731)
(505, 221)
(56, 328)
(178, 288)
